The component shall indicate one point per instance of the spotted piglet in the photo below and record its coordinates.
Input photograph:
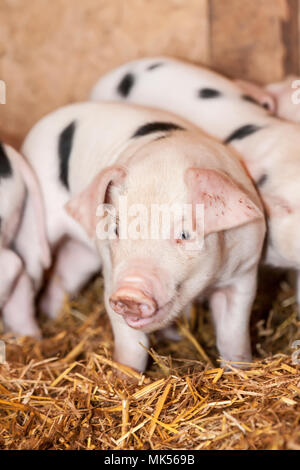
(240, 116)
(104, 169)
(16, 290)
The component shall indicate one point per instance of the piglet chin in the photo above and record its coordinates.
(137, 323)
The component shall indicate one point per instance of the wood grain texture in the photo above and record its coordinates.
(246, 38)
(51, 53)
(290, 37)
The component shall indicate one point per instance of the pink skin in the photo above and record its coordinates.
(286, 95)
(139, 297)
(152, 279)
(143, 291)
(143, 296)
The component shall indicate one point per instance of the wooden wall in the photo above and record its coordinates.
(52, 52)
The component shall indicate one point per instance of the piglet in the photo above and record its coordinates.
(240, 115)
(105, 169)
(16, 290)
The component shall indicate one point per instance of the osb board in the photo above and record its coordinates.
(51, 53)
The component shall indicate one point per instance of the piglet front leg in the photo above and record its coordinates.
(128, 341)
(231, 310)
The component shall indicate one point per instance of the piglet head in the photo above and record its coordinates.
(149, 280)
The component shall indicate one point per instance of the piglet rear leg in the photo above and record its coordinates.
(75, 264)
(18, 312)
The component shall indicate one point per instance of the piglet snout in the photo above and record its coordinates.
(133, 302)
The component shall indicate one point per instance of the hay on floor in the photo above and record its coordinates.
(66, 392)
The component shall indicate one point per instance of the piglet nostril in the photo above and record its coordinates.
(147, 310)
(133, 302)
(118, 306)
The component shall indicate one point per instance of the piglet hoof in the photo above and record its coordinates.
(32, 331)
(127, 374)
(51, 303)
(229, 365)
(131, 365)
(128, 379)
(37, 334)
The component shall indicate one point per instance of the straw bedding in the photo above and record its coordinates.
(66, 392)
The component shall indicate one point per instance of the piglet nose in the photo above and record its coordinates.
(133, 302)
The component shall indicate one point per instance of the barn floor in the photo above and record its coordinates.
(65, 392)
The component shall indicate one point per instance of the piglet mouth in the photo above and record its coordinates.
(138, 323)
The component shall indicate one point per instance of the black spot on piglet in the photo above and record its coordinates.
(65, 142)
(152, 127)
(242, 132)
(250, 99)
(5, 166)
(261, 180)
(155, 66)
(125, 85)
(253, 100)
(208, 93)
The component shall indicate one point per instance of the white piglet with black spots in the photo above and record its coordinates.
(238, 114)
(90, 154)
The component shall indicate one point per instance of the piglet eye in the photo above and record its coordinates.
(184, 236)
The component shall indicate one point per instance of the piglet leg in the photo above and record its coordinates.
(18, 312)
(128, 342)
(10, 269)
(231, 310)
(27, 245)
(75, 264)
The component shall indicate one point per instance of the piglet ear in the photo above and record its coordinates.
(262, 95)
(225, 205)
(83, 207)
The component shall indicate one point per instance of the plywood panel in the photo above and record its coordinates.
(51, 52)
(290, 37)
(246, 38)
